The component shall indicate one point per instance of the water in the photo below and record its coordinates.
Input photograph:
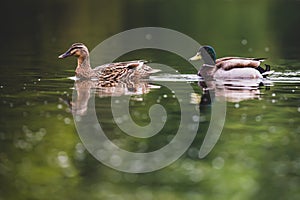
(255, 156)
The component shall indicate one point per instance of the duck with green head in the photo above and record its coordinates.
(229, 67)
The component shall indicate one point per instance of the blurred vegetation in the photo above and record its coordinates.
(41, 155)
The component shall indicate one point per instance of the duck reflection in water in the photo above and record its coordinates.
(230, 91)
(85, 89)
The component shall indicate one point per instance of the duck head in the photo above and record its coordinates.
(80, 51)
(77, 50)
(206, 52)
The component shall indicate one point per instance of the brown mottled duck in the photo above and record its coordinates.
(112, 72)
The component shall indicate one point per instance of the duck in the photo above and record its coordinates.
(229, 67)
(111, 72)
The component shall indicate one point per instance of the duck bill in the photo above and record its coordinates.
(196, 57)
(66, 54)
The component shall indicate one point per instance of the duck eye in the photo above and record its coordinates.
(73, 51)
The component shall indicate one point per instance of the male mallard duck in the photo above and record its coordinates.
(107, 72)
(229, 67)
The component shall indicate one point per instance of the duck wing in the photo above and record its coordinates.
(243, 58)
(228, 63)
(122, 70)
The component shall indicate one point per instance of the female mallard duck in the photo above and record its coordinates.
(229, 67)
(107, 72)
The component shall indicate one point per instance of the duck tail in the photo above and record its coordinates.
(267, 71)
(152, 71)
(268, 68)
(144, 61)
(260, 59)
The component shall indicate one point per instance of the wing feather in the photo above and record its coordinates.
(228, 63)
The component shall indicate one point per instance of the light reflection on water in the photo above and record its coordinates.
(42, 157)
(254, 124)
(286, 77)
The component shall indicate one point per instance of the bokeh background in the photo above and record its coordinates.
(41, 155)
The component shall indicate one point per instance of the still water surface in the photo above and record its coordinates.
(257, 154)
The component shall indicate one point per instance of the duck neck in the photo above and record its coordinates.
(209, 58)
(84, 69)
(213, 58)
(83, 61)
(211, 61)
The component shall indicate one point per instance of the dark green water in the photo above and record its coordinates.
(41, 155)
